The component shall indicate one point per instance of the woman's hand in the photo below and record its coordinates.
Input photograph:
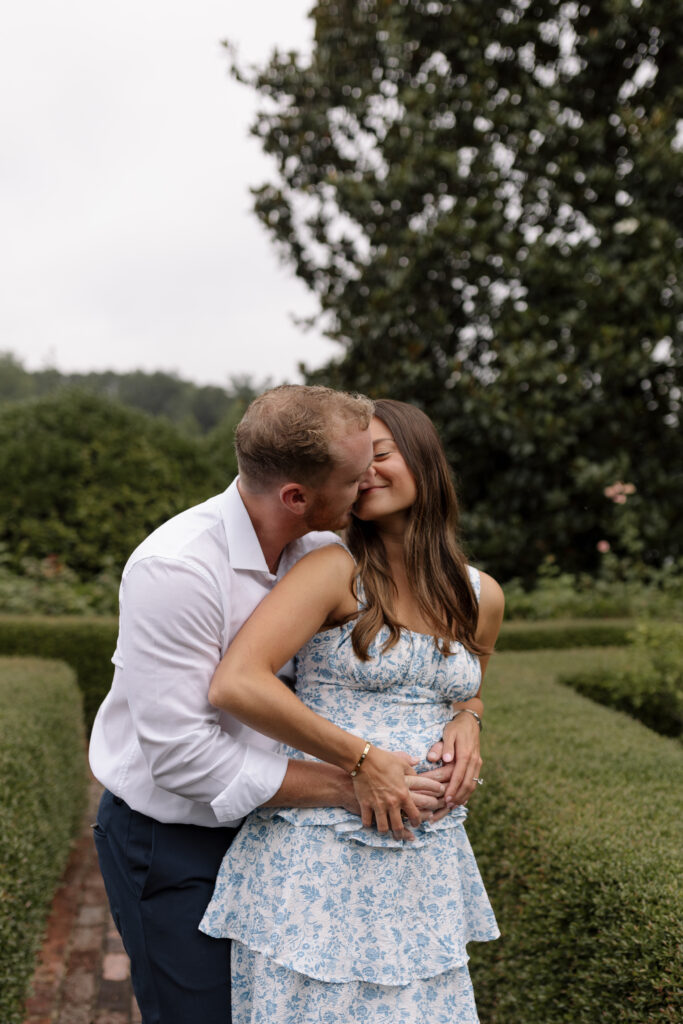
(459, 748)
(383, 793)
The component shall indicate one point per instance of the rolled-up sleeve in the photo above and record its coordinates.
(171, 625)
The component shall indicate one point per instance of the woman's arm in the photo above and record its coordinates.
(314, 593)
(460, 745)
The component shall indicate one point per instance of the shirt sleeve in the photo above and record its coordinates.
(171, 625)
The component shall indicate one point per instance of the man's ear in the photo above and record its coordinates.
(296, 498)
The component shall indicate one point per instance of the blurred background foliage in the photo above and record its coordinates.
(195, 409)
(486, 198)
(86, 478)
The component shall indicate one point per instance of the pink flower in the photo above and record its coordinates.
(603, 546)
(617, 492)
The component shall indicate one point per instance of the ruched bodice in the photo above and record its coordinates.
(399, 699)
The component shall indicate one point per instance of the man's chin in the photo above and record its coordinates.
(341, 521)
(322, 522)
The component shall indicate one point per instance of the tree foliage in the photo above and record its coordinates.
(196, 409)
(486, 199)
(85, 480)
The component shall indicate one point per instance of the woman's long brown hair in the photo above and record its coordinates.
(435, 564)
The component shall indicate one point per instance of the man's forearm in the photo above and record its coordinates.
(315, 784)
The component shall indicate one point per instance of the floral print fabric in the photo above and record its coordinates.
(329, 915)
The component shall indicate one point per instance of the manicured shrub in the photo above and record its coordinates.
(533, 636)
(85, 644)
(561, 595)
(648, 684)
(579, 835)
(43, 781)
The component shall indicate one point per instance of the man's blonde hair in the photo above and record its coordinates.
(287, 432)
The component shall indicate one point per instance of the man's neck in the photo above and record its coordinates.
(273, 526)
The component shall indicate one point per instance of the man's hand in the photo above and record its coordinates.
(428, 792)
(459, 752)
(442, 774)
(426, 789)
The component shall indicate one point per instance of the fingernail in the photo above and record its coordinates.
(448, 757)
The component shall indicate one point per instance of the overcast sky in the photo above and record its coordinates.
(126, 234)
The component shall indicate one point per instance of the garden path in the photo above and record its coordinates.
(83, 972)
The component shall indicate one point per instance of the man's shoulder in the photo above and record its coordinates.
(314, 540)
(196, 530)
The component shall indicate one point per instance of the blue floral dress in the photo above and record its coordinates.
(333, 922)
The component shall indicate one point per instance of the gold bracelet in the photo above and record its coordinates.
(360, 760)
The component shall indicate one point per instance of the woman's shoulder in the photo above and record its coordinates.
(491, 597)
(330, 557)
(326, 575)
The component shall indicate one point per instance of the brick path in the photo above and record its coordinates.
(83, 974)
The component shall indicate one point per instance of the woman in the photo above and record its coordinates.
(336, 919)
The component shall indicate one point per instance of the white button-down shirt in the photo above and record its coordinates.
(157, 742)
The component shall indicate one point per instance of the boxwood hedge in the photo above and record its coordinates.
(563, 633)
(579, 835)
(85, 644)
(645, 680)
(43, 781)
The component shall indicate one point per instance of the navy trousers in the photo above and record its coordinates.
(159, 879)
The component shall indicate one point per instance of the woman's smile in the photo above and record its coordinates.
(387, 472)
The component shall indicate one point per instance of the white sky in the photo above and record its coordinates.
(126, 234)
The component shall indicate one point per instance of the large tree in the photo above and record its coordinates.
(486, 199)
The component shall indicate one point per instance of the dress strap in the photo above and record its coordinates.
(475, 580)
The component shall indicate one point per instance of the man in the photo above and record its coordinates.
(179, 774)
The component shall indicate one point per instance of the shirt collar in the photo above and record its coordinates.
(243, 545)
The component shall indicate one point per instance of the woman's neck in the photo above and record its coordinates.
(405, 606)
(393, 535)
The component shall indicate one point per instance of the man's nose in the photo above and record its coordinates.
(367, 478)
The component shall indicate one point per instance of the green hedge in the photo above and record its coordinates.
(43, 782)
(563, 633)
(579, 835)
(85, 644)
(646, 681)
